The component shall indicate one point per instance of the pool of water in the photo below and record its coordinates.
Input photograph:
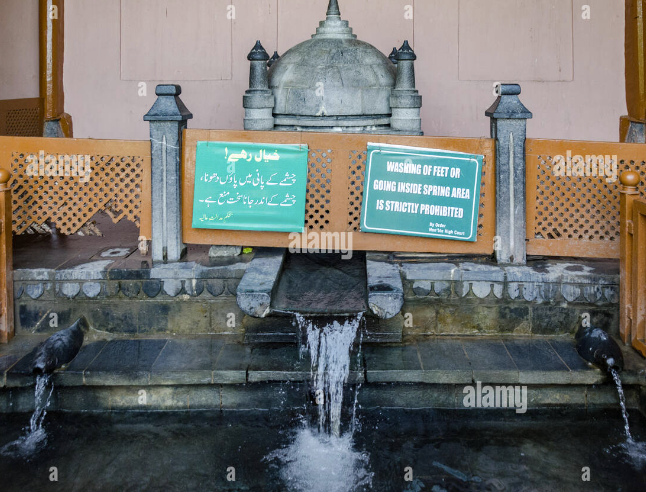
(390, 450)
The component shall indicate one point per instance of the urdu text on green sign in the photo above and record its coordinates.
(250, 186)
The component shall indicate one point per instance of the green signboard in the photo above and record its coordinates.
(421, 192)
(250, 186)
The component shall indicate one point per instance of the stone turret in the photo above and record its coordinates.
(405, 100)
(258, 100)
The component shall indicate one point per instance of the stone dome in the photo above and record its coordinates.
(332, 80)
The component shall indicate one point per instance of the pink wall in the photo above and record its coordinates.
(571, 69)
(19, 49)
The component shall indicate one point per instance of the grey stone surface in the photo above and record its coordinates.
(444, 361)
(224, 251)
(508, 128)
(232, 364)
(277, 362)
(167, 118)
(385, 290)
(259, 282)
(490, 361)
(72, 375)
(537, 362)
(124, 362)
(392, 363)
(186, 361)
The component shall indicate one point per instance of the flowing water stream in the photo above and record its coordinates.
(321, 457)
(622, 402)
(35, 437)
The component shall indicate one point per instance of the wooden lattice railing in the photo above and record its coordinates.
(21, 117)
(67, 181)
(335, 190)
(577, 215)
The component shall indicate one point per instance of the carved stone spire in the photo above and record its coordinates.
(333, 9)
(333, 26)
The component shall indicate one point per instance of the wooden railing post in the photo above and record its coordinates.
(629, 193)
(508, 127)
(6, 260)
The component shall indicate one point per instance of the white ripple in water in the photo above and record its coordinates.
(320, 462)
(28, 445)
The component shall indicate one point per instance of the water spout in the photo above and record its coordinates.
(599, 348)
(60, 348)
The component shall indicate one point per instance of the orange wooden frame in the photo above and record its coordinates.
(339, 147)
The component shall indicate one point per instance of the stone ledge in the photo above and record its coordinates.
(213, 360)
(281, 396)
(539, 281)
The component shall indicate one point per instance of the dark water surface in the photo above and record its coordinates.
(451, 450)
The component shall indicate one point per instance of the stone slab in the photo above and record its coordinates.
(444, 361)
(259, 281)
(72, 375)
(392, 363)
(385, 289)
(537, 362)
(490, 361)
(186, 361)
(124, 362)
(277, 362)
(232, 364)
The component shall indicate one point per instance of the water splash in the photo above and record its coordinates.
(330, 353)
(35, 438)
(622, 401)
(320, 457)
(320, 462)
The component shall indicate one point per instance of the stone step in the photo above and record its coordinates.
(219, 360)
(215, 372)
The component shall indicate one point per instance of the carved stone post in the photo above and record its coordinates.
(405, 100)
(6, 260)
(258, 101)
(168, 117)
(508, 127)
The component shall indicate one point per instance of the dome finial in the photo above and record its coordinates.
(333, 9)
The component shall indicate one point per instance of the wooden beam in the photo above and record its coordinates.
(51, 42)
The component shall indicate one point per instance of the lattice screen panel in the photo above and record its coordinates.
(23, 122)
(319, 188)
(578, 207)
(114, 186)
(356, 177)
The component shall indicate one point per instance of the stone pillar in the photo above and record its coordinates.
(168, 118)
(405, 100)
(508, 127)
(258, 101)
